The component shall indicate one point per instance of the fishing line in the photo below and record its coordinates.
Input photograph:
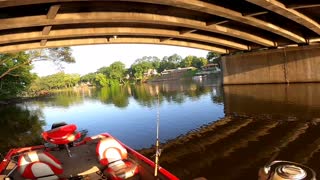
(157, 137)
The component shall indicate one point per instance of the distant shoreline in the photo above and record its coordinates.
(40, 95)
(17, 100)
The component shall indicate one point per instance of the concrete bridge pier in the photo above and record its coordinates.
(286, 65)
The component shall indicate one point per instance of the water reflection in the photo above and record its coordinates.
(117, 95)
(131, 109)
(206, 131)
(262, 123)
(145, 94)
(298, 100)
(63, 99)
(19, 127)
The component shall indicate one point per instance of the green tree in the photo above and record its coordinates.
(170, 62)
(142, 65)
(117, 71)
(155, 63)
(199, 62)
(56, 55)
(174, 60)
(101, 80)
(71, 80)
(152, 60)
(164, 64)
(55, 81)
(15, 74)
(203, 61)
(213, 57)
(187, 61)
(90, 77)
(104, 70)
(114, 74)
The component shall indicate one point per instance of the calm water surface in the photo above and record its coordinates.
(206, 130)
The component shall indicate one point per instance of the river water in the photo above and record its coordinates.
(206, 130)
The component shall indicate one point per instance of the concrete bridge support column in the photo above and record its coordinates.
(287, 65)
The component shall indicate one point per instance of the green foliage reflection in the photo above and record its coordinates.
(116, 95)
(144, 94)
(19, 127)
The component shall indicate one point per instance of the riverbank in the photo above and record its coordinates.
(16, 100)
(41, 95)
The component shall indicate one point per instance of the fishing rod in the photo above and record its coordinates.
(156, 168)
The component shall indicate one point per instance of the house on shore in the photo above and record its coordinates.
(150, 72)
(209, 69)
(178, 70)
(172, 74)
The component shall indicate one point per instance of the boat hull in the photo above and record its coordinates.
(83, 161)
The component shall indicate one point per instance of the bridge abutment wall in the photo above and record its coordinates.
(286, 65)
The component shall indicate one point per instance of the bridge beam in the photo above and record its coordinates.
(302, 6)
(110, 31)
(182, 32)
(53, 11)
(43, 42)
(46, 30)
(103, 17)
(279, 8)
(194, 5)
(165, 39)
(89, 41)
(287, 65)
(197, 5)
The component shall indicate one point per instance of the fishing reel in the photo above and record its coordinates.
(285, 170)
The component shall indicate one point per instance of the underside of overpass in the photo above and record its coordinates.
(221, 26)
(227, 27)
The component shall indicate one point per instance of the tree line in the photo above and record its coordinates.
(116, 73)
(16, 77)
(55, 81)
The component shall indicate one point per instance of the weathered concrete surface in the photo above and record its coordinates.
(288, 65)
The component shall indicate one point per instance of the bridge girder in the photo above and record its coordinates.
(108, 17)
(218, 24)
(279, 8)
(91, 41)
(118, 31)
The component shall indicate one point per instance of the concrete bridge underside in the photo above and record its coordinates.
(286, 65)
(226, 27)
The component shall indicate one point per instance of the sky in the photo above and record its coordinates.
(89, 58)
